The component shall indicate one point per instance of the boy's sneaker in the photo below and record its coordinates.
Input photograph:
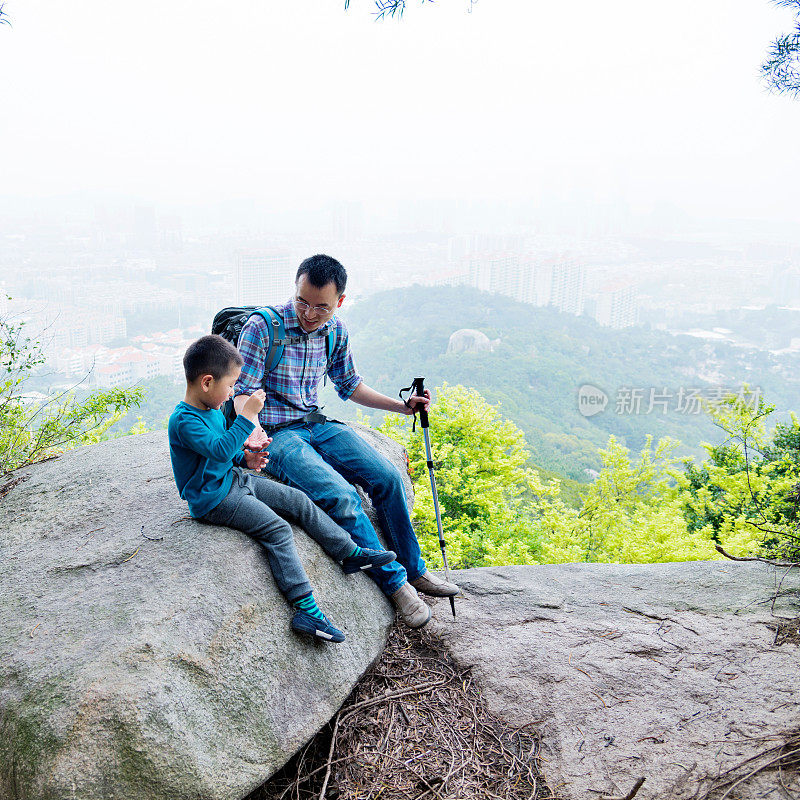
(302, 622)
(367, 559)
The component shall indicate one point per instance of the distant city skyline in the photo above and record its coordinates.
(147, 154)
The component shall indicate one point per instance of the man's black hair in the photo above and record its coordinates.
(321, 271)
(210, 355)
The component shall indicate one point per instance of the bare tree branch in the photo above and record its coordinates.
(790, 564)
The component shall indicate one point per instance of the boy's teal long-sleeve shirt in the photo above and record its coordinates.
(203, 453)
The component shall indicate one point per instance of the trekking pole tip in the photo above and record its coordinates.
(453, 607)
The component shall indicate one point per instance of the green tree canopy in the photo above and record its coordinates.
(744, 495)
(632, 513)
(488, 498)
(495, 510)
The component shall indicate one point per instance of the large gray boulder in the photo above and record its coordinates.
(161, 667)
(667, 671)
(468, 340)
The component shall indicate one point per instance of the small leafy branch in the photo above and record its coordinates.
(390, 7)
(386, 7)
(745, 493)
(781, 70)
(32, 431)
(395, 8)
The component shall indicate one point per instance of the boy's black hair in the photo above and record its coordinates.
(210, 355)
(322, 270)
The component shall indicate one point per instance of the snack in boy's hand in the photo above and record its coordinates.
(257, 440)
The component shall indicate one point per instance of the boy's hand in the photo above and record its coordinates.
(255, 460)
(254, 404)
(257, 440)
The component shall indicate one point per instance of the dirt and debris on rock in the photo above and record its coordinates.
(414, 727)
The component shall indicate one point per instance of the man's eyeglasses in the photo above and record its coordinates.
(321, 310)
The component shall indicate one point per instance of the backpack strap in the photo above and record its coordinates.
(276, 334)
(330, 346)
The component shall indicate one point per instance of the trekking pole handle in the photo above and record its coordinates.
(418, 388)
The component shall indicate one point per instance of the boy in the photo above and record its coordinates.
(203, 455)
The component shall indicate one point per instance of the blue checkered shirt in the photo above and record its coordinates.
(291, 388)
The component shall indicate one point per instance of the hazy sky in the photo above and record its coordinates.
(184, 101)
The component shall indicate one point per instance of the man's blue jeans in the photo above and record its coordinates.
(324, 459)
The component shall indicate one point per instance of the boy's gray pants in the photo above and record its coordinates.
(252, 506)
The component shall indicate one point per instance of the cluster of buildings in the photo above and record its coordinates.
(78, 329)
(560, 281)
(86, 310)
(542, 279)
(93, 346)
(146, 357)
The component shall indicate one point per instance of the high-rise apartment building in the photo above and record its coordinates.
(479, 272)
(537, 283)
(504, 275)
(263, 278)
(568, 286)
(615, 305)
(528, 278)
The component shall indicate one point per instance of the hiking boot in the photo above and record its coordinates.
(412, 610)
(367, 559)
(431, 584)
(303, 622)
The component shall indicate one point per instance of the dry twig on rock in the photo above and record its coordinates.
(784, 758)
(631, 794)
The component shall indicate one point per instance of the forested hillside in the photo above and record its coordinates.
(535, 370)
(542, 358)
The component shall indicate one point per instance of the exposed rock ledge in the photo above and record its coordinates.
(666, 671)
(162, 667)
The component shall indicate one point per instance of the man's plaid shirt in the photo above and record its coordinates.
(291, 388)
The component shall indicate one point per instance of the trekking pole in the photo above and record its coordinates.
(418, 388)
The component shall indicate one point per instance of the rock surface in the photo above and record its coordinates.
(666, 671)
(158, 667)
(468, 340)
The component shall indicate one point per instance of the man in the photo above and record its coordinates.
(322, 457)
